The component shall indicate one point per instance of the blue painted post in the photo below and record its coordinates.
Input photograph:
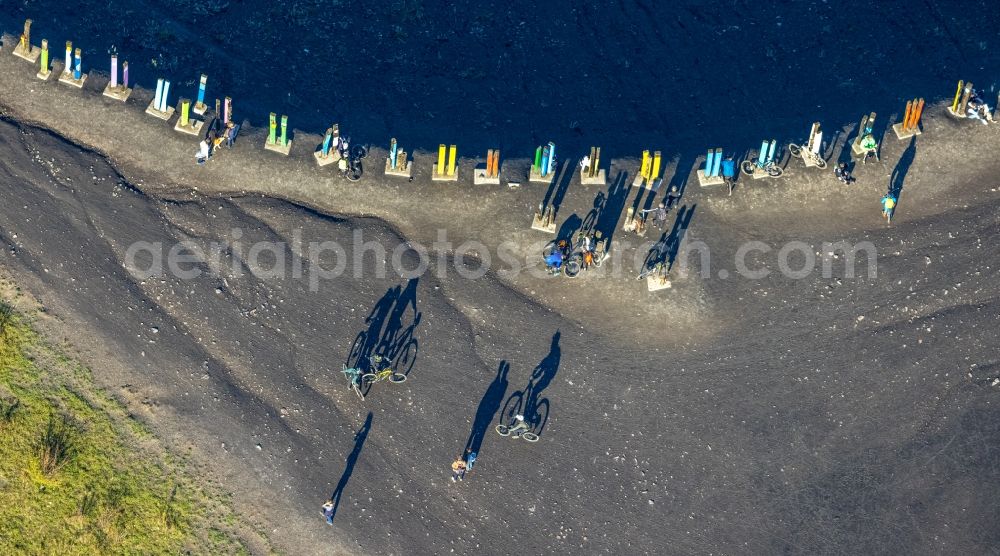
(393, 149)
(717, 163)
(770, 152)
(201, 89)
(708, 162)
(762, 159)
(326, 142)
(545, 162)
(77, 64)
(163, 99)
(552, 158)
(157, 98)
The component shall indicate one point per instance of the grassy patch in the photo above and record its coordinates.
(79, 476)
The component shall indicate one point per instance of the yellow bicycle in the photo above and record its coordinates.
(380, 375)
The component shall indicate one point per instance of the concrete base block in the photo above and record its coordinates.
(706, 181)
(479, 177)
(199, 108)
(809, 160)
(278, 147)
(600, 179)
(152, 111)
(31, 55)
(44, 75)
(435, 176)
(117, 93)
(535, 176)
(656, 283)
(331, 158)
(653, 184)
(900, 134)
(67, 78)
(955, 114)
(538, 224)
(403, 170)
(760, 174)
(193, 127)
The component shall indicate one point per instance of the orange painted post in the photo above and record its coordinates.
(917, 112)
(907, 115)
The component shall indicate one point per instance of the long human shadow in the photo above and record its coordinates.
(676, 238)
(352, 460)
(569, 227)
(607, 220)
(560, 183)
(389, 330)
(488, 407)
(528, 402)
(682, 174)
(902, 168)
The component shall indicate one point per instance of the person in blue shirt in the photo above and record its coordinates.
(554, 261)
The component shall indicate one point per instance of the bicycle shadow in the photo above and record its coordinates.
(352, 460)
(665, 249)
(389, 332)
(488, 407)
(528, 402)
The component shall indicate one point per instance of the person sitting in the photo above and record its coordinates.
(843, 174)
(553, 262)
(870, 146)
(585, 164)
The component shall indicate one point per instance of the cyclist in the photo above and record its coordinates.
(888, 205)
(870, 146)
(519, 424)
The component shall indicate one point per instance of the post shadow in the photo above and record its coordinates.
(682, 174)
(352, 460)
(607, 221)
(681, 224)
(488, 407)
(902, 168)
(846, 156)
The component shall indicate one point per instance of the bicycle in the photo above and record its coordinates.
(800, 152)
(750, 165)
(517, 428)
(353, 377)
(380, 375)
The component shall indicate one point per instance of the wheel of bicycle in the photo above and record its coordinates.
(820, 163)
(396, 378)
(357, 348)
(503, 430)
(357, 390)
(354, 174)
(529, 436)
(774, 171)
(572, 266)
(359, 151)
(747, 166)
(369, 378)
(795, 150)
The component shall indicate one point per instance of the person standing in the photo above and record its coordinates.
(470, 459)
(328, 508)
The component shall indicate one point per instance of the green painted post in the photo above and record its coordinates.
(271, 129)
(538, 158)
(284, 131)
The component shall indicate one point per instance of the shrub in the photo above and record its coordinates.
(56, 445)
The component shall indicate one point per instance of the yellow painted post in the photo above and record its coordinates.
(644, 167)
(452, 155)
(595, 161)
(958, 95)
(45, 58)
(655, 171)
(185, 112)
(440, 165)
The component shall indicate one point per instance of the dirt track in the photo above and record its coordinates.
(721, 416)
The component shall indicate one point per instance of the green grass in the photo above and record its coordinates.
(79, 476)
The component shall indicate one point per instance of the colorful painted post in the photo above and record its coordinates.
(125, 75)
(964, 105)
(710, 174)
(272, 129)
(392, 153)
(908, 127)
(114, 71)
(284, 131)
(185, 112)
(282, 144)
(227, 108)
(199, 105)
(440, 162)
(452, 159)
(490, 174)
(958, 95)
(395, 163)
(645, 165)
(44, 71)
(77, 64)
(552, 159)
(115, 89)
(545, 161)
(327, 141)
(69, 58)
(73, 74)
(717, 163)
(185, 124)
(158, 107)
(538, 160)
(163, 99)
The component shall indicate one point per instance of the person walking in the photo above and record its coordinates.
(458, 470)
(328, 509)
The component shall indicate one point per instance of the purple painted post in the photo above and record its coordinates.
(114, 71)
(124, 75)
